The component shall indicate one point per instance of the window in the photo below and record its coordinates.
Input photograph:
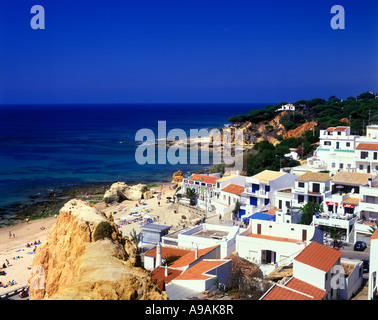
(333, 165)
(300, 184)
(364, 154)
(361, 167)
(327, 143)
(348, 144)
(339, 133)
(300, 198)
(280, 204)
(375, 155)
(287, 204)
(341, 165)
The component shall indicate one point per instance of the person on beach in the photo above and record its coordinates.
(10, 234)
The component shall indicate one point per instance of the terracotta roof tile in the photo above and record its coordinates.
(159, 273)
(204, 178)
(374, 236)
(233, 188)
(198, 271)
(167, 252)
(367, 146)
(295, 289)
(319, 256)
(190, 257)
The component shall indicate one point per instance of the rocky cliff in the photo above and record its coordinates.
(177, 177)
(269, 131)
(86, 257)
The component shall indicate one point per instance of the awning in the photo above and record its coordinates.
(348, 205)
(331, 203)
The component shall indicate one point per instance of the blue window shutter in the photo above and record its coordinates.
(241, 212)
(253, 201)
(267, 188)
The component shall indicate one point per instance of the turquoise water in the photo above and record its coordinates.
(43, 147)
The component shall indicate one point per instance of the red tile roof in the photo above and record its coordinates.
(159, 273)
(319, 256)
(204, 178)
(233, 188)
(167, 252)
(374, 236)
(190, 257)
(367, 146)
(198, 271)
(337, 129)
(295, 289)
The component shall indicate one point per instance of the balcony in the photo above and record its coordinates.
(257, 193)
(334, 220)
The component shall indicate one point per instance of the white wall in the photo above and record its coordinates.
(353, 282)
(306, 273)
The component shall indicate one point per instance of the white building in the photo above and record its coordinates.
(373, 268)
(366, 157)
(337, 149)
(203, 236)
(227, 193)
(286, 107)
(204, 185)
(260, 192)
(200, 277)
(274, 243)
(316, 270)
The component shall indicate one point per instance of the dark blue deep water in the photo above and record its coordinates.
(43, 147)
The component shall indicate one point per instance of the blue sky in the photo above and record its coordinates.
(167, 51)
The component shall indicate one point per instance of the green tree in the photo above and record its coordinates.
(191, 194)
(308, 210)
(235, 212)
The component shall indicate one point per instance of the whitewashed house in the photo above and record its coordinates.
(260, 192)
(316, 276)
(203, 236)
(228, 192)
(337, 149)
(204, 185)
(274, 243)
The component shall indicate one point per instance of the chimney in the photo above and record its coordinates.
(196, 253)
(166, 271)
(370, 180)
(158, 255)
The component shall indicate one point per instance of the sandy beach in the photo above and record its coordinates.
(20, 257)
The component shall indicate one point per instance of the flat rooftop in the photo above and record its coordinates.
(211, 234)
(155, 227)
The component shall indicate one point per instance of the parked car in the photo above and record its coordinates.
(359, 246)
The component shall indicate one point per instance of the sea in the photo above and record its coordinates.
(44, 147)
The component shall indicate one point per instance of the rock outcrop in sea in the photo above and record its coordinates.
(120, 191)
(85, 256)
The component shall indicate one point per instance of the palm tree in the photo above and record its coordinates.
(191, 194)
(335, 235)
